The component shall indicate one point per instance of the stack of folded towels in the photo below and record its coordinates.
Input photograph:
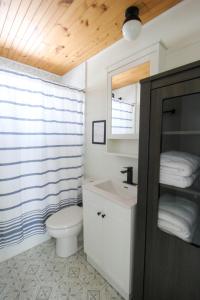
(179, 169)
(177, 216)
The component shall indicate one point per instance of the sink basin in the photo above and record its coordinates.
(119, 189)
(123, 194)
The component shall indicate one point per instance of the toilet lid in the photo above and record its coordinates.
(66, 217)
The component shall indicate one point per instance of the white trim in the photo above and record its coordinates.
(155, 47)
(27, 244)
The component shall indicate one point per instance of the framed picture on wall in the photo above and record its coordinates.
(99, 132)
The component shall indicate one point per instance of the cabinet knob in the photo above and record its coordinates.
(103, 216)
(99, 213)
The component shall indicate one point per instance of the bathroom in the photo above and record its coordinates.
(63, 158)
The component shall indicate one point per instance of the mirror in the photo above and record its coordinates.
(125, 99)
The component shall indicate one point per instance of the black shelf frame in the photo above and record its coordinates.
(182, 132)
(193, 190)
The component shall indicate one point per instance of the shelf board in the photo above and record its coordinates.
(122, 154)
(193, 190)
(183, 132)
(195, 239)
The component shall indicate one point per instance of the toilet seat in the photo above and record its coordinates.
(66, 218)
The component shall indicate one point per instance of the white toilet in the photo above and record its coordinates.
(65, 226)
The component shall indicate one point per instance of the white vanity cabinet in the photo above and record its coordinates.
(108, 239)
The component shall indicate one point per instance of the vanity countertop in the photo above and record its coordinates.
(115, 191)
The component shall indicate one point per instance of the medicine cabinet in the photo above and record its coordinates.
(123, 99)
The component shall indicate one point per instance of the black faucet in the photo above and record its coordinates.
(129, 172)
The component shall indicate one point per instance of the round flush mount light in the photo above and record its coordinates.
(132, 24)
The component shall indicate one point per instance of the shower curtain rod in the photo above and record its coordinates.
(64, 85)
(40, 78)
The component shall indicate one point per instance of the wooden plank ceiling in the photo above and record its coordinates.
(131, 76)
(58, 35)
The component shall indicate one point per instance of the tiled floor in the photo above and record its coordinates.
(38, 274)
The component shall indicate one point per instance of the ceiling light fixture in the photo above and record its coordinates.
(132, 24)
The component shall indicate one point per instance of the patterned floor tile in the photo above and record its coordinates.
(44, 293)
(38, 274)
(93, 295)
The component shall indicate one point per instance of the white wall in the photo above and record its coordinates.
(76, 77)
(179, 30)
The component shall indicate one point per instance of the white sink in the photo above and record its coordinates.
(123, 194)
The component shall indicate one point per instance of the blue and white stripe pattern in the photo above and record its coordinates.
(41, 149)
(122, 117)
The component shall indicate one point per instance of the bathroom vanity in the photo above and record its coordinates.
(109, 221)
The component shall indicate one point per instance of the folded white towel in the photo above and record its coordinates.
(177, 180)
(177, 216)
(179, 163)
(179, 205)
(179, 229)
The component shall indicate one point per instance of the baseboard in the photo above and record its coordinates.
(27, 244)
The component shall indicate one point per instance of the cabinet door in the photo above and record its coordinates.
(93, 245)
(116, 252)
(172, 263)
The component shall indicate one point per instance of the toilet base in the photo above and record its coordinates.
(66, 246)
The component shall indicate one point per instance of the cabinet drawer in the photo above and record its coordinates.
(105, 206)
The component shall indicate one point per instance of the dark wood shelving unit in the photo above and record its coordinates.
(165, 266)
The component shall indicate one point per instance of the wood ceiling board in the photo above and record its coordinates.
(10, 18)
(131, 76)
(32, 31)
(27, 34)
(21, 12)
(58, 35)
(4, 10)
(22, 38)
(36, 44)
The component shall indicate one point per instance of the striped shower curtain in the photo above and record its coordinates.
(41, 147)
(122, 117)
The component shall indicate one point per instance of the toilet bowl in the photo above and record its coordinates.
(65, 226)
